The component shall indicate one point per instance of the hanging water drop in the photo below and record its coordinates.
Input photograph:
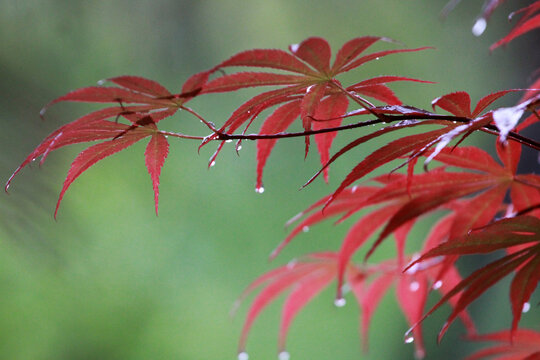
(377, 58)
(291, 264)
(414, 286)
(259, 190)
(305, 228)
(354, 188)
(526, 307)
(243, 356)
(228, 141)
(101, 82)
(409, 339)
(340, 302)
(284, 355)
(212, 163)
(437, 285)
(479, 27)
(239, 148)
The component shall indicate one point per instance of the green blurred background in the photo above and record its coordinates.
(109, 279)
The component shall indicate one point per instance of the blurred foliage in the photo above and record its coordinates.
(109, 279)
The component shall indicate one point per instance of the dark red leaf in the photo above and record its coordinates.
(527, 23)
(470, 157)
(103, 94)
(142, 85)
(193, 86)
(456, 103)
(315, 51)
(477, 283)
(378, 92)
(242, 80)
(412, 294)
(333, 107)
(424, 203)
(525, 345)
(308, 107)
(377, 55)
(155, 155)
(370, 298)
(351, 49)
(499, 235)
(522, 287)
(268, 58)
(316, 267)
(95, 153)
(302, 293)
(387, 153)
(277, 122)
(484, 102)
(357, 235)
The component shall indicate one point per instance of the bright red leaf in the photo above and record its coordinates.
(153, 102)
(525, 345)
(313, 81)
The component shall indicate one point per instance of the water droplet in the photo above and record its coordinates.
(479, 27)
(239, 148)
(101, 82)
(284, 355)
(212, 163)
(291, 264)
(243, 356)
(294, 47)
(409, 339)
(309, 88)
(305, 229)
(34, 159)
(414, 286)
(166, 136)
(526, 307)
(377, 58)
(228, 141)
(354, 188)
(340, 302)
(345, 289)
(259, 190)
(437, 285)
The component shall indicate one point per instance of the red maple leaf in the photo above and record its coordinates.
(153, 103)
(525, 345)
(309, 83)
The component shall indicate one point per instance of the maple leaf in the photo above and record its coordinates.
(503, 234)
(462, 124)
(153, 103)
(311, 85)
(530, 20)
(525, 345)
(304, 278)
(308, 276)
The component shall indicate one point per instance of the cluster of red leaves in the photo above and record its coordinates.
(530, 20)
(525, 346)
(154, 103)
(306, 87)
